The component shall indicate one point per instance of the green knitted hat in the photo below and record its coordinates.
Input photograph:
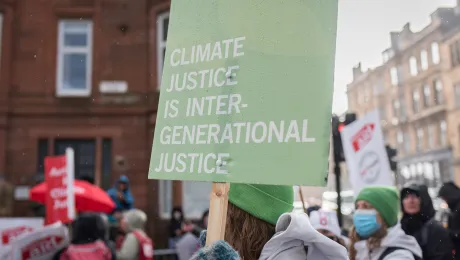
(384, 199)
(265, 202)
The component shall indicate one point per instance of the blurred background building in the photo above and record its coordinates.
(417, 92)
(86, 74)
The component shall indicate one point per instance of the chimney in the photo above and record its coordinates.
(357, 71)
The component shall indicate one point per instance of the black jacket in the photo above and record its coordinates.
(451, 194)
(431, 236)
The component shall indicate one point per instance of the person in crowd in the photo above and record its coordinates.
(121, 194)
(175, 226)
(136, 245)
(88, 240)
(88, 178)
(261, 225)
(376, 234)
(418, 221)
(327, 223)
(204, 219)
(450, 193)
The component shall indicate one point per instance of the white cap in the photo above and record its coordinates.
(326, 220)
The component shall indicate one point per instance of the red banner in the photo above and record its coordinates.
(56, 196)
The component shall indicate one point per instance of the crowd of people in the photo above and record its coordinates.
(387, 224)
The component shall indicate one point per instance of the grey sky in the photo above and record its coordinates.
(363, 33)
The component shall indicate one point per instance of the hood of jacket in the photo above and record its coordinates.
(451, 194)
(295, 236)
(127, 194)
(427, 210)
(135, 219)
(394, 238)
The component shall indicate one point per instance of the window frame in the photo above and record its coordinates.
(62, 50)
(394, 77)
(438, 93)
(415, 101)
(424, 60)
(161, 44)
(435, 49)
(426, 98)
(419, 133)
(442, 133)
(413, 68)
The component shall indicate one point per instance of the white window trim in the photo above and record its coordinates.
(163, 186)
(60, 90)
(424, 60)
(413, 66)
(160, 46)
(394, 77)
(435, 49)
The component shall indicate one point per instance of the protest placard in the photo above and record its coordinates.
(246, 94)
(12, 228)
(60, 196)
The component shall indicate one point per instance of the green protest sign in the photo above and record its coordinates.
(247, 92)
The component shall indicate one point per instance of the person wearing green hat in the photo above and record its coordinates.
(261, 225)
(377, 234)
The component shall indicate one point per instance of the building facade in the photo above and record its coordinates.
(86, 74)
(416, 93)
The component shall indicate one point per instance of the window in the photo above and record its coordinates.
(85, 155)
(457, 94)
(394, 76)
(165, 191)
(42, 152)
(419, 145)
(106, 178)
(431, 136)
(413, 66)
(74, 58)
(438, 94)
(435, 58)
(443, 133)
(415, 101)
(406, 139)
(455, 53)
(195, 198)
(396, 108)
(402, 104)
(400, 138)
(426, 95)
(424, 60)
(162, 35)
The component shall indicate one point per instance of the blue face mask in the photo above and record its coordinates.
(365, 222)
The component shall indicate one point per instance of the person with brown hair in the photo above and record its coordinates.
(261, 225)
(376, 234)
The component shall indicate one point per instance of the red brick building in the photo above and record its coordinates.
(85, 74)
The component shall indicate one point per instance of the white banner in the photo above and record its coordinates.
(11, 228)
(365, 153)
(41, 244)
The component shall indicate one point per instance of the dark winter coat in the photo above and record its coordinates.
(431, 236)
(451, 194)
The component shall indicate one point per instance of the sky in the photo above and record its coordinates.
(363, 33)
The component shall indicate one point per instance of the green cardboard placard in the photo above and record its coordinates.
(246, 94)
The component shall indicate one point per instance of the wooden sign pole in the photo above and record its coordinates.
(301, 199)
(217, 212)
